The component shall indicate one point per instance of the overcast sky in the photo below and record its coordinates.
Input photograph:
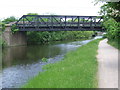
(18, 8)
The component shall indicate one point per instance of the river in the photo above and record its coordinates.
(21, 63)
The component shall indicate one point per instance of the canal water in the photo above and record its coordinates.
(21, 63)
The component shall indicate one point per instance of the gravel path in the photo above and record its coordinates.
(108, 65)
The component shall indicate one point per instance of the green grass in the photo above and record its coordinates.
(114, 43)
(78, 69)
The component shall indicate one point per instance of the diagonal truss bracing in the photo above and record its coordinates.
(59, 23)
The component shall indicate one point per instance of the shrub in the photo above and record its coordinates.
(113, 30)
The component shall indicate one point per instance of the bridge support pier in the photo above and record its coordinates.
(14, 39)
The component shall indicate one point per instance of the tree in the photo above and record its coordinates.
(32, 14)
(111, 10)
(111, 13)
(9, 19)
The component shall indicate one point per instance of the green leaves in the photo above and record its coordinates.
(14, 28)
(44, 59)
(111, 14)
(113, 30)
(9, 19)
(111, 10)
(2, 26)
(35, 37)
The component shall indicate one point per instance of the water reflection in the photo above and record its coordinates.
(24, 62)
(28, 54)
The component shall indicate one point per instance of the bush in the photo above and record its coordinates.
(2, 42)
(113, 30)
(47, 36)
(14, 28)
(2, 26)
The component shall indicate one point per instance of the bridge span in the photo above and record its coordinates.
(59, 23)
(49, 23)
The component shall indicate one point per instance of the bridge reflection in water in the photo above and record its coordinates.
(59, 23)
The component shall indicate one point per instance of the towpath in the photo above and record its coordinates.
(107, 65)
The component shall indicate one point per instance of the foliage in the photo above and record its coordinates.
(78, 69)
(35, 37)
(30, 18)
(14, 28)
(2, 42)
(2, 26)
(44, 59)
(111, 10)
(115, 43)
(9, 19)
(113, 30)
(111, 14)
(32, 14)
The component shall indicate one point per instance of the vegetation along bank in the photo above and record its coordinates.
(78, 69)
(111, 14)
(35, 37)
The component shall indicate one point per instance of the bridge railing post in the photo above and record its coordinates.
(37, 24)
(23, 24)
(94, 21)
(65, 22)
(90, 22)
(78, 21)
(52, 22)
(83, 22)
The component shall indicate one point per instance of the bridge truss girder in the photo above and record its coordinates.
(59, 23)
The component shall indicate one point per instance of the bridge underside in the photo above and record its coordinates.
(59, 23)
(72, 28)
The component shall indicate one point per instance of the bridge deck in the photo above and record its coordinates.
(59, 23)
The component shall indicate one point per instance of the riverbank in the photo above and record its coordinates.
(22, 63)
(78, 69)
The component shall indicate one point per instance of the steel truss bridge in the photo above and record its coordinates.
(59, 23)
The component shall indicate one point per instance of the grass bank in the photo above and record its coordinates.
(114, 43)
(78, 69)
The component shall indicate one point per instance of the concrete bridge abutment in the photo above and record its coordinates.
(14, 39)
